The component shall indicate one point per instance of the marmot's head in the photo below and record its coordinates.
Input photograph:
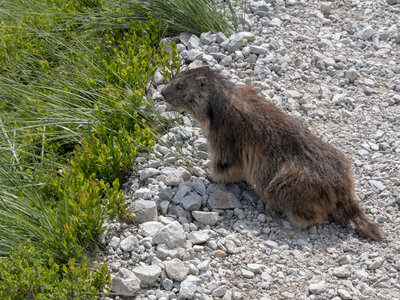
(194, 91)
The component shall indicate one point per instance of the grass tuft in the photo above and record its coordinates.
(195, 16)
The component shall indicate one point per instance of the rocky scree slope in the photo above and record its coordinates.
(334, 66)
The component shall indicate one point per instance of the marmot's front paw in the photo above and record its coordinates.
(209, 178)
(215, 178)
(223, 177)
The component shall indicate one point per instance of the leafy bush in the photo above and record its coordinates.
(31, 274)
(108, 155)
(74, 119)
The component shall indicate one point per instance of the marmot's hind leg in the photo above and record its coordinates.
(304, 202)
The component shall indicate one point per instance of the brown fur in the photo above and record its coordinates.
(290, 168)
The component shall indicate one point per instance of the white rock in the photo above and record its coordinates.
(143, 193)
(207, 38)
(206, 218)
(184, 173)
(198, 237)
(207, 58)
(293, 94)
(219, 291)
(129, 243)
(369, 82)
(235, 42)
(149, 229)
(173, 235)
(163, 252)
(345, 295)
(231, 247)
(226, 61)
(189, 286)
(158, 78)
(247, 274)
(144, 210)
(265, 276)
(329, 61)
(193, 42)
(184, 37)
(201, 143)
(326, 7)
(176, 270)
(271, 244)
(194, 54)
(249, 36)
(317, 288)
(228, 295)
(257, 49)
(275, 22)
(173, 178)
(203, 266)
(198, 171)
(125, 282)
(220, 37)
(114, 243)
(351, 74)
(180, 47)
(147, 275)
(376, 263)
(366, 33)
(377, 184)
(342, 271)
(256, 268)
(258, 6)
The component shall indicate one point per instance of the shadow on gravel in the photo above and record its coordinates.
(256, 219)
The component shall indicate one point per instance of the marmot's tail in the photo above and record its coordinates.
(350, 213)
(367, 228)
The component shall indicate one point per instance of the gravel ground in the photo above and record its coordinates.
(335, 67)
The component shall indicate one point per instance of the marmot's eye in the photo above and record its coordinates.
(179, 86)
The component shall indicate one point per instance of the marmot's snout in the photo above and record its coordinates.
(164, 92)
(168, 93)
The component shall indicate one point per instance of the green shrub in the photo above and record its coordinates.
(73, 115)
(83, 203)
(30, 273)
(68, 224)
(108, 155)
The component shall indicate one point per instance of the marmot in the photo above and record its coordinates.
(290, 168)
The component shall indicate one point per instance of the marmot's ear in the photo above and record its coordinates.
(201, 81)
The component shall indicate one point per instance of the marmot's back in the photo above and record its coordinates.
(274, 131)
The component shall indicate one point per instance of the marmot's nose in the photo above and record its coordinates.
(163, 92)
